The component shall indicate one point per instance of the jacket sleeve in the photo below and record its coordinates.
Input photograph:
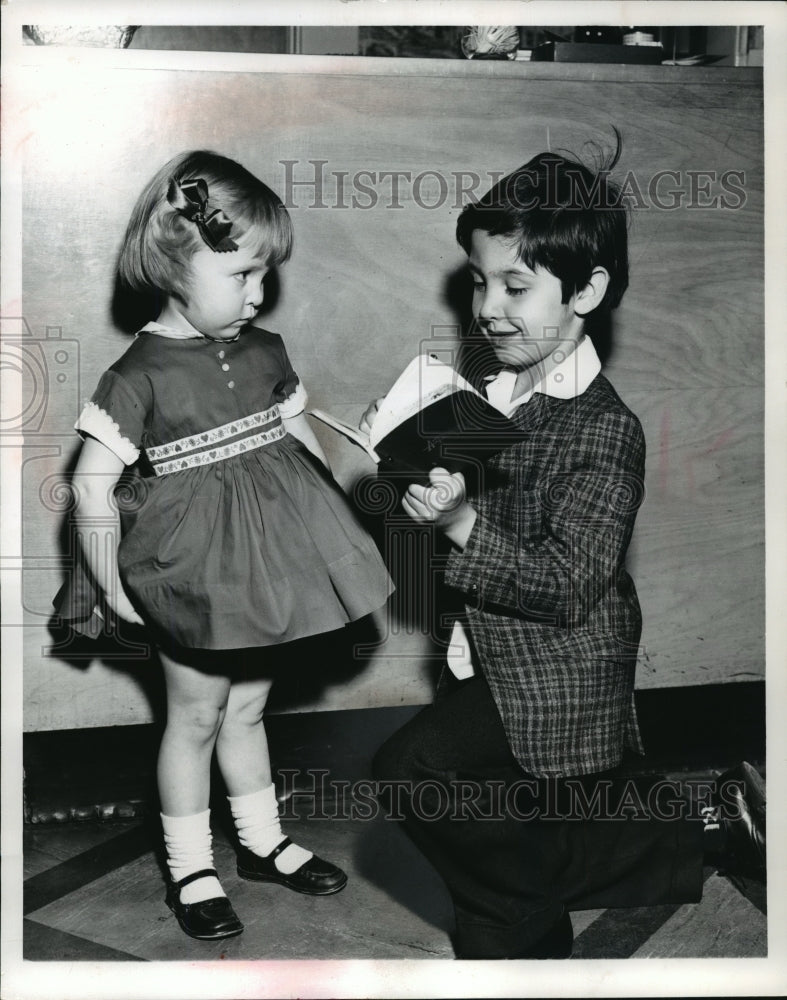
(551, 550)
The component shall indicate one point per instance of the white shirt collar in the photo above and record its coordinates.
(567, 380)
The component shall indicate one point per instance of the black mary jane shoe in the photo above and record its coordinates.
(315, 877)
(741, 796)
(208, 920)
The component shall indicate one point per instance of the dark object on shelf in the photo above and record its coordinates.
(413, 41)
(591, 52)
(598, 34)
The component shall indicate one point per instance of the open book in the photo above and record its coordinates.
(431, 417)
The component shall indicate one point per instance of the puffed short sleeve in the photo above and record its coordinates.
(115, 415)
(290, 393)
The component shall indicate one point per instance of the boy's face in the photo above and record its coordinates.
(519, 310)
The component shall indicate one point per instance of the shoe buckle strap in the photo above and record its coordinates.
(278, 849)
(188, 879)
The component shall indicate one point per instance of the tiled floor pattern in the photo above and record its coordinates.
(95, 891)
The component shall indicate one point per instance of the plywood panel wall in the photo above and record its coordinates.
(374, 278)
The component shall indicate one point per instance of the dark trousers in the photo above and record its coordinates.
(516, 852)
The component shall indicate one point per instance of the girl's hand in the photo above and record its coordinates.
(98, 527)
(122, 607)
(299, 427)
(442, 503)
(369, 414)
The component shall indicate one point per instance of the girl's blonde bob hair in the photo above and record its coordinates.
(160, 243)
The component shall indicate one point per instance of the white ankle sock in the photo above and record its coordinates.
(189, 848)
(257, 821)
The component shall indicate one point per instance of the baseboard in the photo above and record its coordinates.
(704, 725)
(109, 773)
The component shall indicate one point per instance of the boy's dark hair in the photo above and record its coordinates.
(561, 216)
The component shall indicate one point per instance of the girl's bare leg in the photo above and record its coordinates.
(242, 751)
(196, 705)
(242, 744)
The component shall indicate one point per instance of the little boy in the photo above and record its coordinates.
(512, 782)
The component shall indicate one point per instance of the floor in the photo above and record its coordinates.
(395, 906)
(94, 887)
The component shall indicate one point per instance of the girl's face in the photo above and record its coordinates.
(519, 310)
(225, 293)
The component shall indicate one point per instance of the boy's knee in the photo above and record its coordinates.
(393, 761)
(411, 754)
(385, 762)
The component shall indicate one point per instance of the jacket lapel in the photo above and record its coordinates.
(535, 412)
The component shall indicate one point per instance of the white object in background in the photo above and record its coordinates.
(640, 38)
(491, 40)
(107, 36)
(458, 657)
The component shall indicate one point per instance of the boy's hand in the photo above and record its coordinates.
(369, 414)
(442, 503)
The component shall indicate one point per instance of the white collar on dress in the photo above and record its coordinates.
(567, 380)
(170, 333)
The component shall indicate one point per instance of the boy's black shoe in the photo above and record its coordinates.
(208, 920)
(315, 877)
(740, 796)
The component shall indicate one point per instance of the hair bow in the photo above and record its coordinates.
(190, 199)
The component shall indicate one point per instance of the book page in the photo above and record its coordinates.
(425, 380)
(353, 433)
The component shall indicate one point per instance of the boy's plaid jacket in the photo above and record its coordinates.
(553, 615)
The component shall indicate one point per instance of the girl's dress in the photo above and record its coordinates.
(233, 533)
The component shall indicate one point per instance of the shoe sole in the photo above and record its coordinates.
(754, 793)
(254, 877)
(206, 937)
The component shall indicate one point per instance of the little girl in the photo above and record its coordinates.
(237, 537)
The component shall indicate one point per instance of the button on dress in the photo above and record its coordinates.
(233, 533)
